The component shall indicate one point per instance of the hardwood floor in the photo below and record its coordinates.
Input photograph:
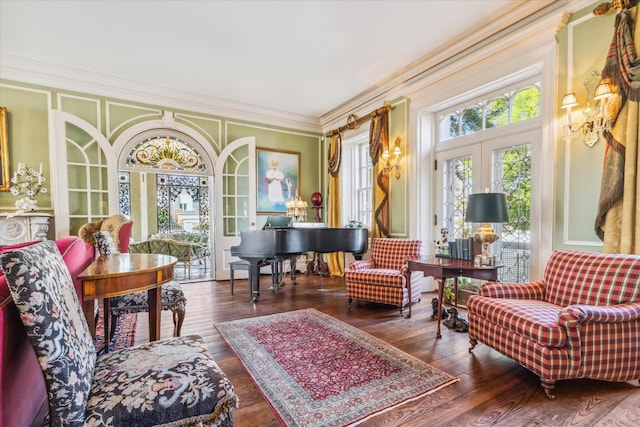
(493, 390)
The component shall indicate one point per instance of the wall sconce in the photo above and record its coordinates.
(395, 164)
(596, 118)
(297, 209)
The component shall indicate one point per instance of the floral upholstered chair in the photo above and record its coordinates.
(170, 382)
(582, 320)
(384, 277)
(117, 225)
(173, 298)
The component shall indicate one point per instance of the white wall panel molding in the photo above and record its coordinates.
(39, 73)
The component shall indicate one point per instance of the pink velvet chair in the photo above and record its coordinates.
(23, 398)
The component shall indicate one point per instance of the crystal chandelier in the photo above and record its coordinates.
(297, 209)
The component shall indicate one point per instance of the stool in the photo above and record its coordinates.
(239, 265)
(276, 270)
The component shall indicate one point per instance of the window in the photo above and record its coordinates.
(357, 175)
(519, 104)
(501, 162)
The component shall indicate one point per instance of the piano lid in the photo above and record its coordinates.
(282, 241)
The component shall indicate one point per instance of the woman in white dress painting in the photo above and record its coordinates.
(274, 180)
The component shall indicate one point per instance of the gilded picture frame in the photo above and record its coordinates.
(278, 179)
(5, 184)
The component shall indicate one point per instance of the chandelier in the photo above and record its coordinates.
(596, 118)
(297, 209)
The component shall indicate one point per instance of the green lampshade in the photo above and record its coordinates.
(486, 207)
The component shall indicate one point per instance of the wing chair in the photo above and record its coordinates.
(383, 277)
(117, 225)
(582, 320)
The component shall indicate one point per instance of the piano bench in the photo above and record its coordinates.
(238, 265)
(276, 269)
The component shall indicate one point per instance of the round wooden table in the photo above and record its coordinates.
(120, 274)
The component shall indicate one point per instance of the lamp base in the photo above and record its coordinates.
(484, 259)
(485, 236)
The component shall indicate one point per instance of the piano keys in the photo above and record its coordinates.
(256, 246)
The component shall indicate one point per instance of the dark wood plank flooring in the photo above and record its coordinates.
(493, 390)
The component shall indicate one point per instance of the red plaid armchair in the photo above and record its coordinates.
(581, 321)
(383, 277)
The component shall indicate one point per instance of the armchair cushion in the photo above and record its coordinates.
(150, 380)
(104, 243)
(172, 296)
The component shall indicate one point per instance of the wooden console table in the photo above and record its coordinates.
(445, 268)
(120, 274)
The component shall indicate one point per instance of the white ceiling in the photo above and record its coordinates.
(303, 57)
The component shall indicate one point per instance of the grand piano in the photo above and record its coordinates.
(256, 246)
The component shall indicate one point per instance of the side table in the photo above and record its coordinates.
(442, 269)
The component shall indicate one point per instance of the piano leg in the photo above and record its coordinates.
(292, 264)
(254, 279)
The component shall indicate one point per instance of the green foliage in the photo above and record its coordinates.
(471, 120)
(497, 113)
(516, 181)
(526, 104)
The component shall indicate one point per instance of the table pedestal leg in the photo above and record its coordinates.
(155, 302)
(88, 307)
(106, 320)
(440, 298)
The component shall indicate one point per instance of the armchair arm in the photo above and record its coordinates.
(533, 290)
(198, 251)
(581, 313)
(361, 264)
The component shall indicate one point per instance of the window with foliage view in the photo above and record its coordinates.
(520, 104)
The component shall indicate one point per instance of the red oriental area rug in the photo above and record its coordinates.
(124, 336)
(315, 370)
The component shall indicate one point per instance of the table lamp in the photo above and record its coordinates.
(485, 208)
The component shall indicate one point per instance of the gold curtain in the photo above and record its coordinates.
(618, 218)
(335, 260)
(378, 141)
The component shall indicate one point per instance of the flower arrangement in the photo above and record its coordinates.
(27, 182)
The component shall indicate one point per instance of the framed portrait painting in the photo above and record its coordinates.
(4, 151)
(278, 175)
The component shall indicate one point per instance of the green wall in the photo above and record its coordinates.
(30, 128)
(583, 45)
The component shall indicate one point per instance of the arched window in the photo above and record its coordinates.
(165, 152)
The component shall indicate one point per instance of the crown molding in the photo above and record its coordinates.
(526, 19)
(44, 74)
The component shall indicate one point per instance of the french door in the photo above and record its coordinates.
(502, 164)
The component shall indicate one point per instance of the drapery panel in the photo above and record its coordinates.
(335, 260)
(378, 141)
(618, 218)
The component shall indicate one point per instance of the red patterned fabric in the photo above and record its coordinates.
(581, 321)
(382, 278)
